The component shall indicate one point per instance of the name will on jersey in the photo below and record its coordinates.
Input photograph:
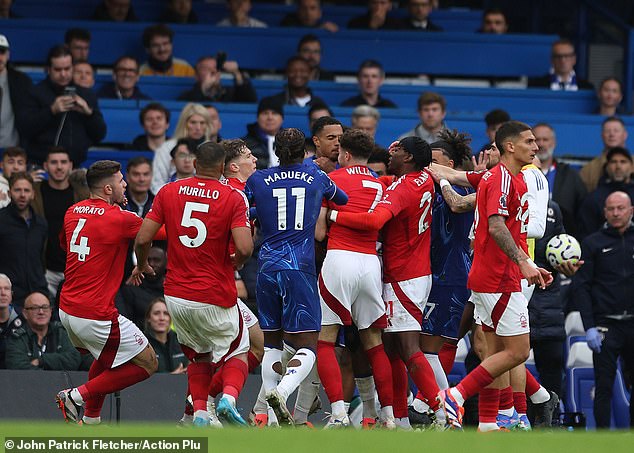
(289, 175)
(358, 171)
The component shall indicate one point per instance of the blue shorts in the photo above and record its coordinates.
(288, 300)
(443, 311)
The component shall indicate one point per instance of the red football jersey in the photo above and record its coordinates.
(407, 236)
(364, 192)
(199, 215)
(499, 193)
(96, 237)
(474, 178)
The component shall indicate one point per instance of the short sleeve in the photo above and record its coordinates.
(130, 224)
(497, 194)
(474, 178)
(156, 211)
(395, 198)
(239, 209)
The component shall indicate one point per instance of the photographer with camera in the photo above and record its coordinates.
(57, 113)
(208, 87)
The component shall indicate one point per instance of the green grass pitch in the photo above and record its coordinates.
(343, 441)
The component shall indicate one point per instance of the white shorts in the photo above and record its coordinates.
(405, 302)
(527, 290)
(249, 318)
(504, 313)
(112, 343)
(206, 328)
(350, 290)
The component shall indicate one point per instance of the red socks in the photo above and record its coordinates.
(92, 407)
(234, 375)
(113, 380)
(532, 386)
(253, 361)
(519, 400)
(329, 371)
(488, 404)
(382, 372)
(447, 356)
(216, 384)
(423, 376)
(474, 382)
(199, 378)
(400, 386)
(506, 398)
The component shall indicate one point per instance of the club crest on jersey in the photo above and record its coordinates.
(523, 321)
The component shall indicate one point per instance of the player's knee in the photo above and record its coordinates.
(518, 356)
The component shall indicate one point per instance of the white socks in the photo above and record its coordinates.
(457, 395)
(366, 388)
(308, 391)
(270, 378)
(439, 373)
(297, 372)
(540, 396)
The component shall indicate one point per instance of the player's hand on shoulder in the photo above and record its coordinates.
(568, 268)
(325, 164)
(138, 274)
(432, 170)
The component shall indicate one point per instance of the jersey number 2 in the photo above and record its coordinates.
(300, 198)
(79, 247)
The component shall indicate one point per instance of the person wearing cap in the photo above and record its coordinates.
(617, 176)
(260, 137)
(14, 85)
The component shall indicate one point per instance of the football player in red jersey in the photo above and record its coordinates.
(96, 235)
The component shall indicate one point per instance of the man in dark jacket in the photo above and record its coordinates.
(13, 87)
(603, 290)
(23, 235)
(56, 112)
(40, 343)
(125, 76)
(10, 319)
(260, 138)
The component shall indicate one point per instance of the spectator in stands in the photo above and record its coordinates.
(163, 339)
(296, 91)
(5, 10)
(617, 177)
(10, 319)
(366, 118)
(564, 184)
(52, 198)
(55, 116)
(133, 301)
(208, 86)
(309, 48)
(179, 12)
(40, 343)
(308, 15)
(158, 43)
(239, 15)
(183, 155)
(260, 136)
(610, 95)
(23, 236)
(13, 161)
(431, 111)
(138, 175)
(315, 112)
(369, 78)
(493, 120)
(603, 289)
(418, 12)
(84, 75)
(327, 132)
(125, 75)
(155, 120)
(494, 21)
(378, 161)
(562, 74)
(376, 18)
(613, 134)
(14, 85)
(194, 122)
(78, 42)
(216, 123)
(115, 11)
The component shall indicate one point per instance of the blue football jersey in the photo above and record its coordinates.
(287, 201)
(450, 244)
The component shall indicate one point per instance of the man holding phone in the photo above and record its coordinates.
(57, 113)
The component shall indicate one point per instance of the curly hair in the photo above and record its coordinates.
(289, 145)
(459, 149)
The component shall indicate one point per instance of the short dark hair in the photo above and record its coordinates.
(14, 151)
(80, 34)
(126, 57)
(493, 11)
(319, 106)
(189, 142)
(289, 145)
(57, 51)
(234, 149)
(429, 97)
(612, 118)
(564, 41)
(136, 161)
(371, 64)
(509, 130)
(358, 143)
(324, 121)
(611, 79)
(496, 116)
(379, 155)
(100, 170)
(156, 30)
(17, 176)
(57, 150)
(209, 155)
(154, 106)
(295, 58)
(307, 38)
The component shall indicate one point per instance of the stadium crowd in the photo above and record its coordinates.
(413, 287)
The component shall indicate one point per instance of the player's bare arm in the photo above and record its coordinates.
(503, 238)
(373, 221)
(142, 245)
(321, 228)
(243, 245)
(458, 203)
(457, 177)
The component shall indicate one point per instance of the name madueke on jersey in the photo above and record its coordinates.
(292, 174)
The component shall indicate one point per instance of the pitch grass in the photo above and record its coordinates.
(342, 441)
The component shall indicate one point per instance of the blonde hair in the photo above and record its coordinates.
(188, 111)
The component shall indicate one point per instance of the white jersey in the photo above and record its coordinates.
(538, 197)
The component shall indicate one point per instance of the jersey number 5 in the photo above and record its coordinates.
(79, 247)
(189, 221)
(300, 197)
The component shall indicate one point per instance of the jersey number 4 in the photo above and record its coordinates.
(300, 198)
(79, 245)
